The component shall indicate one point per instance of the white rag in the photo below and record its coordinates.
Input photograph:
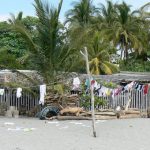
(42, 93)
(1, 92)
(76, 83)
(102, 91)
(18, 94)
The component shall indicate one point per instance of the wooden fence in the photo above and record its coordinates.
(28, 100)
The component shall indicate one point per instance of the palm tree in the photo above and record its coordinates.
(80, 20)
(82, 13)
(15, 19)
(106, 15)
(100, 58)
(48, 52)
(144, 15)
(143, 10)
(125, 30)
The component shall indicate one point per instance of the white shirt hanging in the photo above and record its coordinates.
(76, 83)
(42, 93)
(19, 92)
(1, 92)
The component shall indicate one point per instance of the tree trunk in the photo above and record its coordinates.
(85, 54)
(92, 94)
(126, 51)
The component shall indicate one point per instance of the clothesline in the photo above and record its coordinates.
(101, 90)
(53, 83)
(36, 86)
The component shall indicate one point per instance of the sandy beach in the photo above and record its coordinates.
(34, 134)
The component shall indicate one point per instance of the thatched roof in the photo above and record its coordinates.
(123, 76)
(126, 77)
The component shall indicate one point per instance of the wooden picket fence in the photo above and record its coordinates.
(28, 100)
(138, 100)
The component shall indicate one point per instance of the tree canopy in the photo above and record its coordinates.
(51, 47)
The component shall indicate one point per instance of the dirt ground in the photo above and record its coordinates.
(34, 134)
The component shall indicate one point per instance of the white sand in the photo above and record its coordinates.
(34, 134)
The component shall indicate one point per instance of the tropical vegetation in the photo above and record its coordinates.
(116, 36)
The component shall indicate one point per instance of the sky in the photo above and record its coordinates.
(14, 6)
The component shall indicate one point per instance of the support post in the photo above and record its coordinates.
(85, 54)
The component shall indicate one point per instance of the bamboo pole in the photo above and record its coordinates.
(85, 54)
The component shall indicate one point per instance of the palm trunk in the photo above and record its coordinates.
(91, 88)
(126, 51)
(126, 47)
(92, 94)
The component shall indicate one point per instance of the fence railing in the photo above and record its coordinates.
(139, 100)
(28, 100)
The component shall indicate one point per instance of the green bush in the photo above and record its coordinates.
(85, 101)
(135, 65)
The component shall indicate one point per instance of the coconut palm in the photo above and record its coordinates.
(14, 18)
(100, 58)
(48, 52)
(82, 13)
(144, 15)
(80, 20)
(125, 30)
(107, 14)
(144, 11)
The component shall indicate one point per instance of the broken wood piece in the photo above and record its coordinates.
(70, 118)
(132, 112)
(99, 117)
(130, 116)
(99, 113)
(73, 110)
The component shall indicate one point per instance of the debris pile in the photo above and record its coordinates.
(62, 101)
(77, 113)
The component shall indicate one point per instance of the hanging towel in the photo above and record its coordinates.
(140, 87)
(118, 91)
(102, 91)
(95, 84)
(145, 89)
(1, 92)
(19, 92)
(113, 93)
(76, 83)
(87, 83)
(108, 92)
(42, 93)
(97, 89)
(135, 86)
(130, 85)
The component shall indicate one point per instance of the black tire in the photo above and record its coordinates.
(48, 112)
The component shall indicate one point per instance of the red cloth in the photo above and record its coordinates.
(92, 82)
(146, 89)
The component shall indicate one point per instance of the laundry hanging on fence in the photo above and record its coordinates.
(42, 93)
(76, 83)
(19, 92)
(146, 89)
(138, 86)
(102, 91)
(2, 92)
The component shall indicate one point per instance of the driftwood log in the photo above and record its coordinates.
(99, 117)
(130, 116)
(77, 113)
(98, 113)
(69, 118)
(132, 112)
(72, 110)
(148, 112)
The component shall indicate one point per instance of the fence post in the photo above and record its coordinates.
(85, 54)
